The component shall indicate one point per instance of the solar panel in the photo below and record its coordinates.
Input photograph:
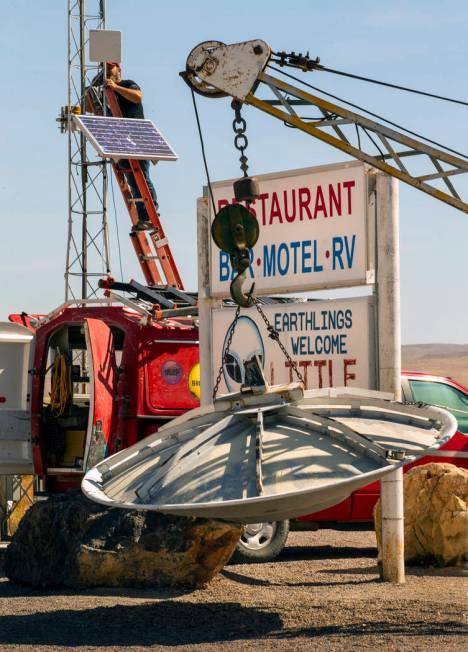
(125, 138)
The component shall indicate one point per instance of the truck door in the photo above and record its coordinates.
(16, 344)
(102, 389)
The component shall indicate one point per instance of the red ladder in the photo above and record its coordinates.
(150, 246)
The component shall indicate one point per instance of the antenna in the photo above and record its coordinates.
(87, 255)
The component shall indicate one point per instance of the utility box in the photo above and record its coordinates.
(15, 346)
(15, 423)
(105, 45)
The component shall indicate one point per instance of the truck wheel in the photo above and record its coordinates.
(261, 542)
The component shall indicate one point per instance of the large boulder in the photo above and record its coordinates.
(68, 540)
(436, 516)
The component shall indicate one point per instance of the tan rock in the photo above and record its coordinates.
(436, 515)
(209, 549)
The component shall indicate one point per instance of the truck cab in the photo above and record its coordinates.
(92, 378)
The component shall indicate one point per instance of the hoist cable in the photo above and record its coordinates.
(358, 136)
(202, 145)
(375, 115)
(382, 83)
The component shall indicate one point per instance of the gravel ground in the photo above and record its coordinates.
(323, 593)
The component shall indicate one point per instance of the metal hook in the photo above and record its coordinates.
(244, 300)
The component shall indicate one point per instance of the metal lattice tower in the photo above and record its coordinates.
(87, 257)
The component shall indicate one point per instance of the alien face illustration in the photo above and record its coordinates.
(246, 343)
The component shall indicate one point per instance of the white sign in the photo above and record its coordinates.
(313, 231)
(331, 342)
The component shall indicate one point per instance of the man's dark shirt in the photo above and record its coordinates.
(129, 109)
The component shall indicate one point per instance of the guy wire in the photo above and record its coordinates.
(375, 115)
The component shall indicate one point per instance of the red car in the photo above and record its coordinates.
(262, 542)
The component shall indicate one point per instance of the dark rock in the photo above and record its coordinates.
(70, 541)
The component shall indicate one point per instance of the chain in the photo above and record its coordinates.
(274, 335)
(226, 351)
(239, 126)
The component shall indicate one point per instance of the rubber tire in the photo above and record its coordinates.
(267, 552)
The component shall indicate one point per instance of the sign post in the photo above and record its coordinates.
(388, 301)
(393, 534)
(388, 285)
(205, 302)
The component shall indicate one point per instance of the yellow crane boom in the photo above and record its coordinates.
(242, 71)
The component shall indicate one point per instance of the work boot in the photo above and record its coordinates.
(142, 225)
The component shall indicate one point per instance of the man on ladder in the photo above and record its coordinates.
(130, 101)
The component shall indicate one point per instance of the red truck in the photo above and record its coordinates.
(99, 376)
(130, 374)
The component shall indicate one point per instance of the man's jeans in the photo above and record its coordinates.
(124, 165)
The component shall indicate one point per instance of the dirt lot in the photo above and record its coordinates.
(323, 593)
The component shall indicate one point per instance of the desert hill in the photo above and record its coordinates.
(438, 358)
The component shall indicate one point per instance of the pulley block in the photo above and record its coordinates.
(200, 60)
(235, 229)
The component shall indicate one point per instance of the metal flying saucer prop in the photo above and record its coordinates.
(268, 455)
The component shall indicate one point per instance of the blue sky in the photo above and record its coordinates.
(418, 44)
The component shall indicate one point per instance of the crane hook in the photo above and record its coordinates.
(237, 293)
(236, 231)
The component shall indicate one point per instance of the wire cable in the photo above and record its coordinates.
(202, 144)
(116, 226)
(375, 115)
(358, 136)
(373, 142)
(382, 83)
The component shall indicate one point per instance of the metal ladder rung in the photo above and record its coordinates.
(141, 244)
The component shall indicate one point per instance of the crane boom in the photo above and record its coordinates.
(240, 71)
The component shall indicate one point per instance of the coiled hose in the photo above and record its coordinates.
(61, 390)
